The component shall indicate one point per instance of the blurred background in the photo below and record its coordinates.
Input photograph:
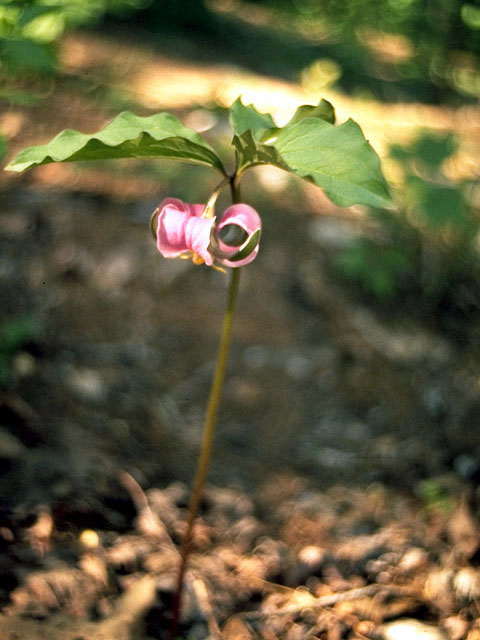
(356, 350)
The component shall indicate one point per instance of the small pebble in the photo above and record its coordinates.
(23, 364)
(410, 629)
(89, 539)
(311, 555)
(456, 627)
(466, 584)
(87, 384)
(413, 559)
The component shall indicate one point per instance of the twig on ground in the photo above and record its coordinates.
(203, 600)
(312, 602)
(147, 521)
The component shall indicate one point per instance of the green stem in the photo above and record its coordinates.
(235, 188)
(207, 443)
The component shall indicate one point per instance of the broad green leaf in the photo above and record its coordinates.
(127, 136)
(247, 118)
(323, 110)
(336, 158)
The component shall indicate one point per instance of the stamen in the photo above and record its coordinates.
(197, 258)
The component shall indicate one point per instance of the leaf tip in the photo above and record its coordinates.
(16, 167)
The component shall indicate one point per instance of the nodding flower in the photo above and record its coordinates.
(190, 231)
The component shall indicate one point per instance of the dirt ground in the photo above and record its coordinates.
(343, 497)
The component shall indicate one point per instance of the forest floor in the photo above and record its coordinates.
(343, 500)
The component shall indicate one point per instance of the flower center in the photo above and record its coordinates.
(195, 257)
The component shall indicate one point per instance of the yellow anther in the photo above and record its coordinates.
(197, 258)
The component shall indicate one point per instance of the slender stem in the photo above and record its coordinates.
(235, 188)
(207, 442)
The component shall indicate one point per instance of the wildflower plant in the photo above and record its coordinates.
(337, 158)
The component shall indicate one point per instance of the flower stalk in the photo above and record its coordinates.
(208, 436)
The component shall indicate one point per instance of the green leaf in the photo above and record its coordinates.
(432, 150)
(250, 153)
(247, 118)
(380, 270)
(336, 158)
(440, 206)
(324, 110)
(127, 136)
(30, 13)
(249, 128)
(23, 53)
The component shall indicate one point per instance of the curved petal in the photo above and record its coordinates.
(178, 231)
(196, 209)
(197, 234)
(243, 215)
(247, 219)
(176, 203)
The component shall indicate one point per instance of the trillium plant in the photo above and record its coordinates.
(337, 158)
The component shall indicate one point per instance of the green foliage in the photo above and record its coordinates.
(14, 334)
(439, 207)
(336, 158)
(436, 494)
(251, 129)
(244, 118)
(323, 110)
(429, 245)
(250, 152)
(127, 136)
(381, 269)
(435, 33)
(30, 29)
(22, 53)
(25, 42)
(432, 151)
(3, 146)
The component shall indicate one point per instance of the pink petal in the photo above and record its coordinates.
(248, 219)
(192, 209)
(180, 230)
(196, 209)
(176, 203)
(197, 233)
(243, 215)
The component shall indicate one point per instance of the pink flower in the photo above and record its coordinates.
(184, 231)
